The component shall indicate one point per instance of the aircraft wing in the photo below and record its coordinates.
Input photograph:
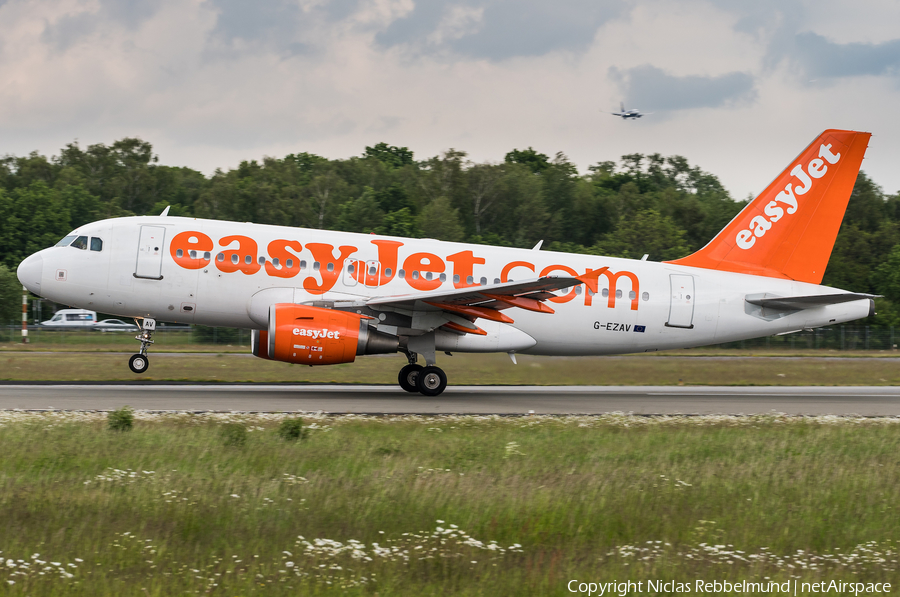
(462, 306)
(797, 303)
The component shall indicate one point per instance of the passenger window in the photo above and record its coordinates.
(415, 275)
(388, 271)
(66, 241)
(401, 273)
(96, 244)
(483, 281)
(330, 267)
(315, 266)
(443, 277)
(289, 263)
(302, 264)
(81, 243)
(179, 253)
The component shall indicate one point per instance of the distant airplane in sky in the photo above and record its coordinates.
(626, 114)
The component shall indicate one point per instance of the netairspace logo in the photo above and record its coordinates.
(790, 587)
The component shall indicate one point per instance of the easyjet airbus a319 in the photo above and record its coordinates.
(319, 297)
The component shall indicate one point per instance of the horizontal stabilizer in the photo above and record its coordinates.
(797, 303)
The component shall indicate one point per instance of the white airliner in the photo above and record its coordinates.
(632, 113)
(320, 297)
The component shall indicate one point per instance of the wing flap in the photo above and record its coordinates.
(476, 295)
(463, 305)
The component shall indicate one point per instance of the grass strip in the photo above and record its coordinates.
(441, 505)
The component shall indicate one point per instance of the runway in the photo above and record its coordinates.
(503, 400)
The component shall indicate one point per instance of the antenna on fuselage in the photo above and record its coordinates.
(165, 212)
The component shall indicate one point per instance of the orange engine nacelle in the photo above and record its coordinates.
(316, 336)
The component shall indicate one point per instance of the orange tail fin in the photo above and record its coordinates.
(790, 229)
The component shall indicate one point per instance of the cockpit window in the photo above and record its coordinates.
(96, 244)
(66, 241)
(80, 243)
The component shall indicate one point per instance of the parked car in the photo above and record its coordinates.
(115, 325)
(71, 319)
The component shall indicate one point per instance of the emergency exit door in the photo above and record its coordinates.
(373, 274)
(150, 253)
(681, 306)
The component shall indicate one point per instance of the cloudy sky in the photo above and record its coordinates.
(738, 87)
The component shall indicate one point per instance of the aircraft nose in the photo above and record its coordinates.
(30, 272)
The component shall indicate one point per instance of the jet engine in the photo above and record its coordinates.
(315, 336)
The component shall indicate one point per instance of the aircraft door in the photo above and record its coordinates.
(351, 271)
(681, 307)
(373, 273)
(150, 253)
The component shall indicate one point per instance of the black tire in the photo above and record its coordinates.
(138, 363)
(407, 377)
(431, 381)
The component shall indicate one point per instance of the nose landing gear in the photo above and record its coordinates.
(140, 362)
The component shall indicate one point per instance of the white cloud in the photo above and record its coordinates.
(210, 84)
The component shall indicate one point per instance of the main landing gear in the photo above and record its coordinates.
(428, 381)
(139, 363)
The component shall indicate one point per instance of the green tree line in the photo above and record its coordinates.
(644, 204)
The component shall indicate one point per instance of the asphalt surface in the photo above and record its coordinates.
(506, 400)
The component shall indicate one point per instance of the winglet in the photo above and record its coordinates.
(590, 278)
(790, 229)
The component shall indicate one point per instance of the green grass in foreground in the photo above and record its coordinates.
(462, 369)
(411, 506)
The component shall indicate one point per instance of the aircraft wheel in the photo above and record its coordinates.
(431, 381)
(138, 363)
(407, 377)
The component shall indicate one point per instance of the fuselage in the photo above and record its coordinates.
(208, 272)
